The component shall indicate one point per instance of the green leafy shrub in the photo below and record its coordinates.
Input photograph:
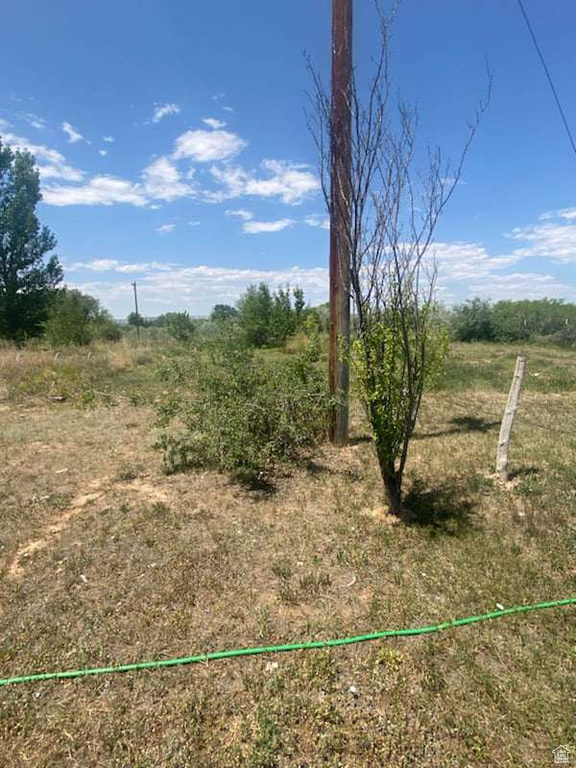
(232, 411)
(472, 321)
(527, 320)
(74, 318)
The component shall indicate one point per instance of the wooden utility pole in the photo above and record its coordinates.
(137, 313)
(508, 418)
(340, 189)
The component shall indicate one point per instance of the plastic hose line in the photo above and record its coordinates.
(204, 657)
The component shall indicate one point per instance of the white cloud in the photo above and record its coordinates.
(162, 181)
(197, 289)
(208, 146)
(113, 265)
(103, 152)
(241, 214)
(165, 228)
(162, 110)
(229, 109)
(4, 124)
(213, 122)
(108, 139)
(520, 285)
(257, 227)
(100, 190)
(194, 223)
(318, 220)
(72, 133)
(51, 163)
(468, 269)
(554, 239)
(290, 183)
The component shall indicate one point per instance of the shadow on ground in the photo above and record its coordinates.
(461, 424)
(523, 472)
(445, 510)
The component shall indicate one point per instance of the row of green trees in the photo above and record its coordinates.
(268, 318)
(481, 320)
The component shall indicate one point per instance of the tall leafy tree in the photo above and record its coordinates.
(255, 313)
(27, 278)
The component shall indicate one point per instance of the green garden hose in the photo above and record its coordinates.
(203, 657)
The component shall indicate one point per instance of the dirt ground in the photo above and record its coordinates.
(106, 560)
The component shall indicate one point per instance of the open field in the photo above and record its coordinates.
(105, 560)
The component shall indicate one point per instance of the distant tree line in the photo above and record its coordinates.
(527, 320)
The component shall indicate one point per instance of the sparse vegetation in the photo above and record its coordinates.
(189, 561)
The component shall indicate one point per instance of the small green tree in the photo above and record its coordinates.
(223, 313)
(282, 317)
(388, 209)
(255, 313)
(76, 318)
(180, 326)
(135, 319)
(299, 304)
(26, 279)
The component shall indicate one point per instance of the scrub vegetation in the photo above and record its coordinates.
(107, 559)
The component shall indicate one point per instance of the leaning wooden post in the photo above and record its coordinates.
(508, 418)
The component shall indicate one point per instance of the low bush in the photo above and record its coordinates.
(227, 409)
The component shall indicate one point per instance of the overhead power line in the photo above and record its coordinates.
(549, 76)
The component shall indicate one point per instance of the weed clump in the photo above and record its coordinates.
(228, 409)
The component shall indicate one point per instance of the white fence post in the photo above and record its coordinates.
(508, 418)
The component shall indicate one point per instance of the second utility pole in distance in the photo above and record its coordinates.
(137, 313)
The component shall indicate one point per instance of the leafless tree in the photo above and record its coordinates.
(391, 208)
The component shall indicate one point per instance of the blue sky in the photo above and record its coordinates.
(175, 152)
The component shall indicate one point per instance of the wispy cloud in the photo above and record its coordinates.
(241, 214)
(165, 229)
(73, 135)
(163, 110)
(122, 267)
(290, 183)
(108, 139)
(99, 190)
(51, 163)
(554, 237)
(213, 122)
(34, 120)
(257, 227)
(318, 220)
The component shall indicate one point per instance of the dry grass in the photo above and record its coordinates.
(105, 560)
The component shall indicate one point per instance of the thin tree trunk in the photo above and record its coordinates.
(392, 484)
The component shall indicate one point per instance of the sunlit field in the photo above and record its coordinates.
(105, 559)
